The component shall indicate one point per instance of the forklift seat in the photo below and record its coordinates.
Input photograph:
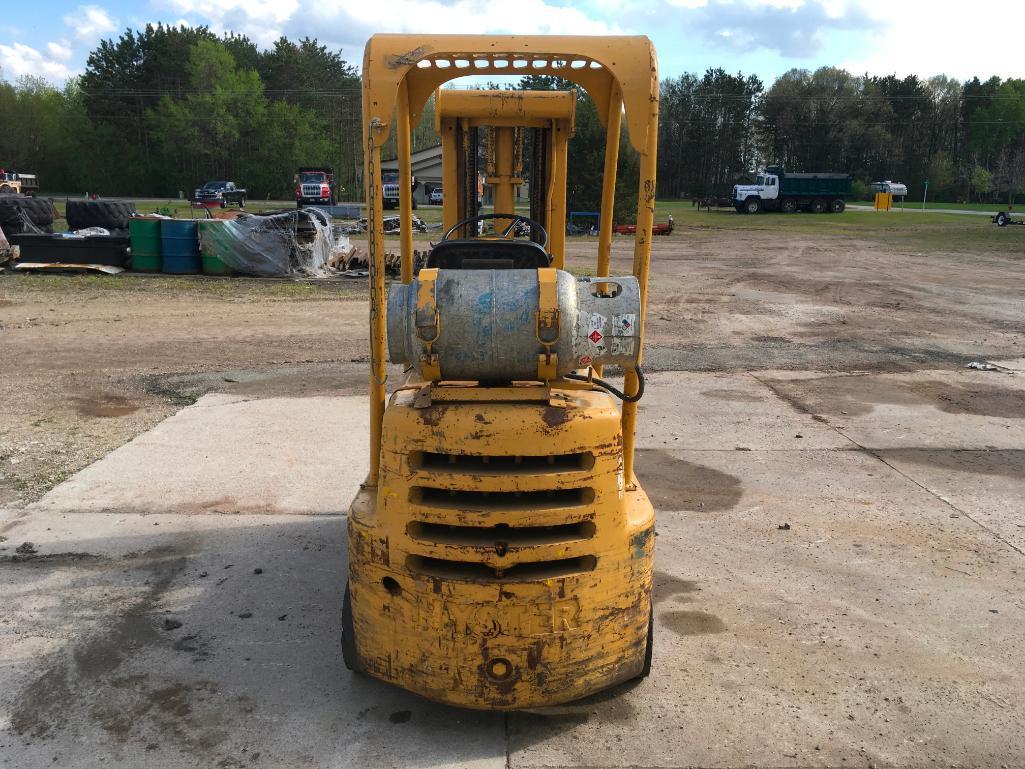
(488, 254)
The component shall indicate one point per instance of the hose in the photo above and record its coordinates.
(606, 386)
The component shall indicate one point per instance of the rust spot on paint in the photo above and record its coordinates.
(554, 417)
(534, 654)
(433, 415)
(406, 59)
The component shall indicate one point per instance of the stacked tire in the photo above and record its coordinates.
(20, 213)
(112, 215)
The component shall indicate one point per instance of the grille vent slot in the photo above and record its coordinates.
(501, 465)
(480, 572)
(467, 499)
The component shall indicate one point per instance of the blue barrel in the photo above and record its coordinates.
(179, 246)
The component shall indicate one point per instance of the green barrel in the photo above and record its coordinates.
(211, 239)
(144, 237)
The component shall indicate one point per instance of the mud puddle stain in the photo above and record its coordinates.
(676, 484)
(104, 406)
(734, 396)
(688, 623)
(1006, 463)
(859, 395)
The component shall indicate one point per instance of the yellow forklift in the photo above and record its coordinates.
(500, 550)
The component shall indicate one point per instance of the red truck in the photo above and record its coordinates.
(314, 186)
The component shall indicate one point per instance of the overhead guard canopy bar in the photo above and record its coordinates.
(412, 67)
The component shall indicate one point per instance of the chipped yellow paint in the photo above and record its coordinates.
(500, 551)
(570, 615)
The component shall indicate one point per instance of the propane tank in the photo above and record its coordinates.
(487, 324)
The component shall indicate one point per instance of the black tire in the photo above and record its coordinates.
(650, 643)
(818, 206)
(838, 206)
(241, 202)
(752, 205)
(299, 204)
(14, 209)
(414, 204)
(109, 214)
(789, 206)
(1003, 219)
(40, 211)
(349, 655)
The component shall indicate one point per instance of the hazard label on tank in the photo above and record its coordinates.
(595, 336)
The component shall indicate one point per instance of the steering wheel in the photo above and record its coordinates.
(514, 219)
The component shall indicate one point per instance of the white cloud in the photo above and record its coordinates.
(59, 50)
(19, 60)
(89, 23)
(929, 38)
(796, 29)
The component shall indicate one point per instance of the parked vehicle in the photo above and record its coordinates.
(1004, 218)
(314, 186)
(221, 193)
(896, 189)
(777, 190)
(390, 189)
(437, 197)
(12, 183)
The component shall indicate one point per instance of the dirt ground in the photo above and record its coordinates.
(839, 542)
(90, 362)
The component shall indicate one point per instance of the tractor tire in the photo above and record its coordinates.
(789, 206)
(39, 211)
(838, 206)
(650, 643)
(1003, 219)
(109, 214)
(349, 655)
(818, 206)
(752, 206)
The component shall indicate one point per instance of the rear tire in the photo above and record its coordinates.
(1003, 219)
(838, 206)
(650, 643)
(789, 206)
(818, 206)
(349, 655)
(241, 202)
(752, 205)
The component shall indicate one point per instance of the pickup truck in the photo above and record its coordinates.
(778, 190)
(221, 193)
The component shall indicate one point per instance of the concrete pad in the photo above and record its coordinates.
(883, 627)
(923, 409)
(227, 454)
(989, 486)
(724, 411)
(877, 630)
(90, 676)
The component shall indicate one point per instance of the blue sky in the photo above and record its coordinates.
(51, 39)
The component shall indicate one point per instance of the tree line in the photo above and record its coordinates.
(164, 109)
